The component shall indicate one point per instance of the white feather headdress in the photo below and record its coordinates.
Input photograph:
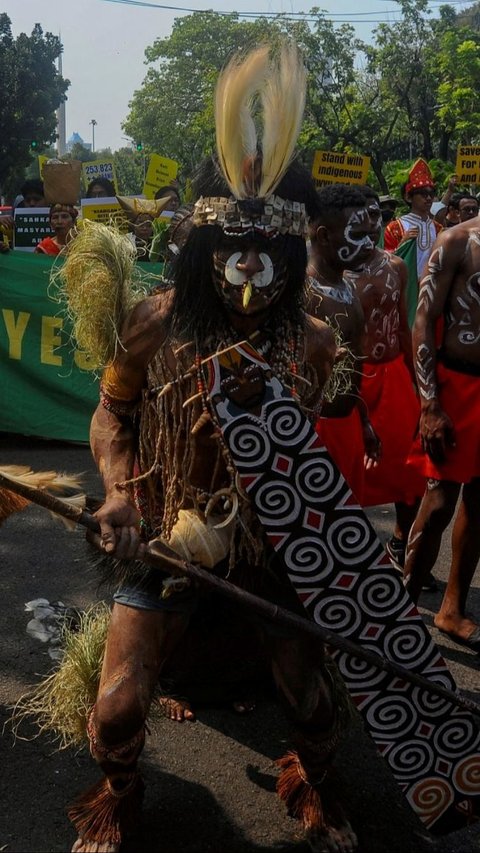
(259, 89)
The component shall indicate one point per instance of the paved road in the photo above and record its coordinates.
(210, 785)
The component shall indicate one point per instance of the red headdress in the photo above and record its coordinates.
(419, 176)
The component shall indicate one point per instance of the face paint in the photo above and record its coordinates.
(238, 277)
(358, 243)
(240, 285)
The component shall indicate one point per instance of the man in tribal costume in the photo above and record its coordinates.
(446, 342)
(240, 276)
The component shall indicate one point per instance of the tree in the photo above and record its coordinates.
(458, 110)
(172, 113)
(32, 89)
(80, 152)
(129, 171)
(413, 92)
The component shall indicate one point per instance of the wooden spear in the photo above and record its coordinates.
(162, 557)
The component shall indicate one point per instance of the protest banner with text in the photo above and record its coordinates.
(333, 167)
(161, 172)
(31, 225)
(104, 210)
(467, 167)
(47, 387)
(99, 169)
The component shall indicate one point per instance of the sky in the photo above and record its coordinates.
(104, 45)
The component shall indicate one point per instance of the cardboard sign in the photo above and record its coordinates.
(468, 164)
(332, 167)
(32, 224)
(99, 169)
(105, 210)
(161, 172)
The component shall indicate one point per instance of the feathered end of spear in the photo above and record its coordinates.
(12, 501)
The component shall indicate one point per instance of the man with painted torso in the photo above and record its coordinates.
(387, 385)
(340, 240)
(446, 343)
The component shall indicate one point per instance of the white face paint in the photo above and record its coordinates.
(238, 278)
(356, 243)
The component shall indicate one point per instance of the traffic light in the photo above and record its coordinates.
(34, 144)
(139, 146)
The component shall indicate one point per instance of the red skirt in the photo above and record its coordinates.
(343, 438)
(459, 396)
(394, 411)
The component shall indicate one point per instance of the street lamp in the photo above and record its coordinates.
(94, 123)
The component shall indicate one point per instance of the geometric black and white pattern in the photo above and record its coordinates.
(346, 583)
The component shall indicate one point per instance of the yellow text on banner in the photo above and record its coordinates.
(333, 167)
(160, 173)
(468, 164)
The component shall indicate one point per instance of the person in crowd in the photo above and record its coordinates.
(33, 194)
(388, 207)
(461, 207)
(388, 384)
(417, 223)
(339, 240)
(448, 215)
(446, 345)
(173, 194)
(100, 188)
(467, 207)
(240, 275)
(141, 227)
(62, 221)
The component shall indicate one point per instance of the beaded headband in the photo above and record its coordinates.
(269, 216)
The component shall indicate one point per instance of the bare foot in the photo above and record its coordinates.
(459, 629)
(176, 709)
(82, 846)
(244, 706)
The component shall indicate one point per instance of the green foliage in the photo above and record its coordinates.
(172, 113)
(396, 174)
(79, 152)
(32, 90)
(129, 171)
(409, 94)
(413, 92)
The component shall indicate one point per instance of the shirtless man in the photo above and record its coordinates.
(446, 344)
(239, 275)
(387, 386)
(340, 240)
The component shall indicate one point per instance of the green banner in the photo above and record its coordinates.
(44, 389)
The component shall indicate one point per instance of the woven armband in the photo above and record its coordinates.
(121, 408)
(115, 394)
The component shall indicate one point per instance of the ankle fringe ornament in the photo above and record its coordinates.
(301, 798)
(104, 813)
